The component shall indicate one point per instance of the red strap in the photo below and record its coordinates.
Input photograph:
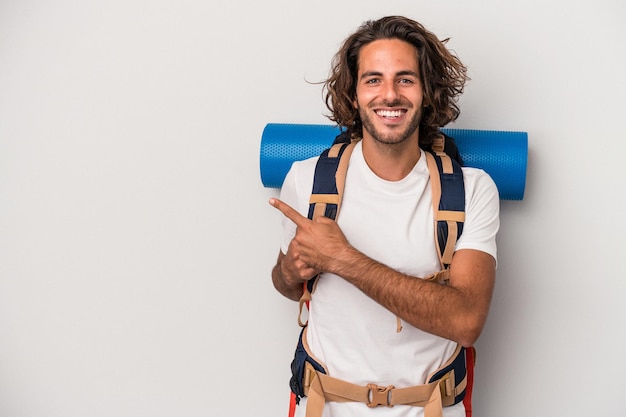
(467, 400)
(292, 405)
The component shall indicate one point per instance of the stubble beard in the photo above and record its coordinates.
(393, 137)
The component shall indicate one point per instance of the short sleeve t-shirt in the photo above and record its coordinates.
(392, 223)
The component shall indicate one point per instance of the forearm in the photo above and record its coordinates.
(453, 312)
(456, 311)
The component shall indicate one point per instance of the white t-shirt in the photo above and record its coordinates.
(391, 222)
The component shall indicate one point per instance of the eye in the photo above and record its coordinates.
(405, 81)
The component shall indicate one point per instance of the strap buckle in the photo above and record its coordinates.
(378, 395)
(447, 389)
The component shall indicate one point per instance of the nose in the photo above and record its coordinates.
(390, 92)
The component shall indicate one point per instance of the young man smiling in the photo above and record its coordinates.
(393, 86)
(389, 102)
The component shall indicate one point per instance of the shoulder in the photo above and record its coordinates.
(482, 208)
(481, 192)
(298, 183)
(301, 173)
(479, 183)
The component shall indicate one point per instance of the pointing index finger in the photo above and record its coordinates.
(289, 212)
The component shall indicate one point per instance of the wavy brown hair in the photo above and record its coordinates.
(442, 74)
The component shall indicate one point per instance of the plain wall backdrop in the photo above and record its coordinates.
(136, 241)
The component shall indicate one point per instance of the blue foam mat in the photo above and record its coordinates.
(502, 154)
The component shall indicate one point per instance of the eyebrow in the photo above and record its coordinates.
(398, 74)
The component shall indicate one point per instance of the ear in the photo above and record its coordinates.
(355, 103)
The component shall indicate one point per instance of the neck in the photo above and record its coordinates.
(391, 162)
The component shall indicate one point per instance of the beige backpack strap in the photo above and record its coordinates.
(304, 300)
(320, 387)
(320, 202)
(450, 217)
(441, 392)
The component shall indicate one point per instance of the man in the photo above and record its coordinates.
(393, 84)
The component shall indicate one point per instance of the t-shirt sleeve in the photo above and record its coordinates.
(295, 191)
(482, 212)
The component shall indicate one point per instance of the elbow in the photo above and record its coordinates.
(470, 331)
(468, 340)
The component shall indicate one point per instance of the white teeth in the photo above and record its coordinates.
(389, 113)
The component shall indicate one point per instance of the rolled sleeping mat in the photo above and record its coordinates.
(502, 154)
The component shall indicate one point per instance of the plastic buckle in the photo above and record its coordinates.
(447, 389)
(378, 395)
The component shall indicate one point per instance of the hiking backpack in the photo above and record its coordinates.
(454, 380)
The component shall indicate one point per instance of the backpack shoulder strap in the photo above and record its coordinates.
(329, 180)
(448, 195)
(448, 190)
(327, 193)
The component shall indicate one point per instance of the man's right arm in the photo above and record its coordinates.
(290, 273)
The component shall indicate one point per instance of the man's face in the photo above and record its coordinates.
(389, 91)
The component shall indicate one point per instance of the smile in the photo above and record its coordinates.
(390, 113)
